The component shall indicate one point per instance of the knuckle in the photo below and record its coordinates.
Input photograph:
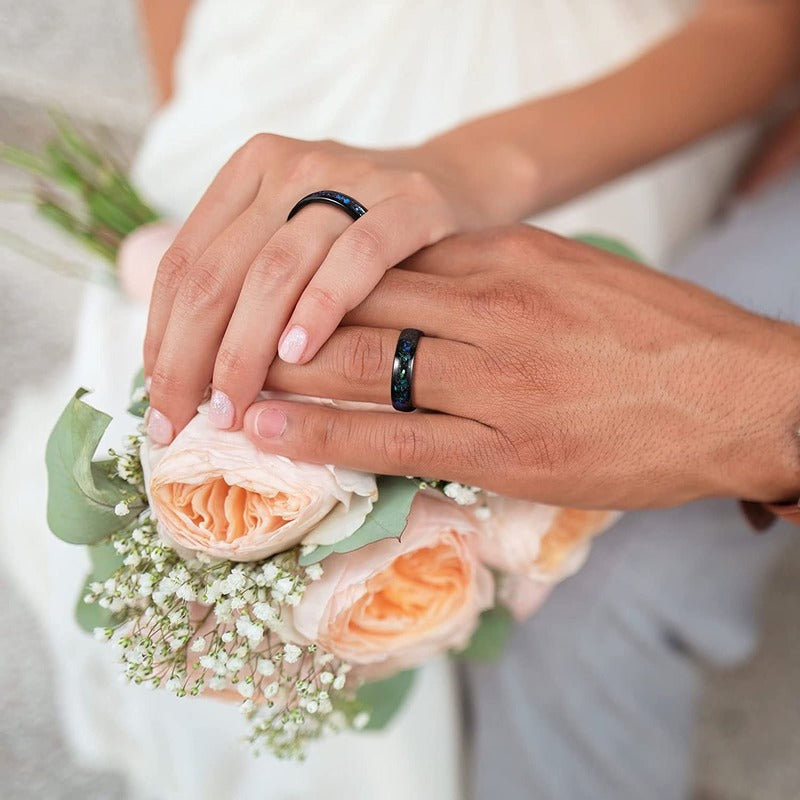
(366, 244)
(404, 444)
(255, 149)
(324, 301)
(515, 241)
(165, 386)
(201, 288)
(323, 430)
(362, 358)
(419, 185)
(311, 164)
(508, 299)
(230, 363)
(360, 167)
(275, 266)
(175, 264)
(516, 300)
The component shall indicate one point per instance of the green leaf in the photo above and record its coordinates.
(30, 162)
(105, 562)
(383, 699)
(81, 493)
(610, 245)
(489, 640)
(387, 520)
(138, 408)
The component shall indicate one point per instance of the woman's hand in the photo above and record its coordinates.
(560, 373)
(240, 283)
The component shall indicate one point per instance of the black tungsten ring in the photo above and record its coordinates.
(348, 204)
(403, 369)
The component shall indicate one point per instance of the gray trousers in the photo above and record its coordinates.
(594, 698)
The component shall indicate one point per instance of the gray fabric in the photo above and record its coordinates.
(594, 698)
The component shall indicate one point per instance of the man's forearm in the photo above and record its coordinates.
(724, 65)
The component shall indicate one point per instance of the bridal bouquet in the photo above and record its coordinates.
(308, 594)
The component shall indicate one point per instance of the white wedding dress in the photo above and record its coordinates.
(384, 73)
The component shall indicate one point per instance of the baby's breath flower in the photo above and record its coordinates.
(288, 696)
(291, 653)
(265, 667)
(463, 495)
(360, 720)
(208, 662)
(271, 690)
(270, 571)
(247, 707)
(234, 664)
(122, 509)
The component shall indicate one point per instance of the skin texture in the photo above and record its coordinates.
(239, 279)
(560, 373)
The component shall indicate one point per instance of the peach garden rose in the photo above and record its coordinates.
(540, 542)
(392, 605)
(212, 491)
(139, 255)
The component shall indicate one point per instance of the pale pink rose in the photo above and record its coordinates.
(538, 541)
(213, 491)
(392, 605)
(139, 255)
(522, 595)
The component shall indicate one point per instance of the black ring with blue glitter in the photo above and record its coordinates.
(403, 369)
(348, 204)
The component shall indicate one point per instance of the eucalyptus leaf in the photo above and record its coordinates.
(610, 245)
(387, 520)
(490, 638)
(82, 493)
(105, 562)
(383, 699)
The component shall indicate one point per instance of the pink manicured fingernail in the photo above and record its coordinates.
(159, 428)
(293, 344)
(220, 410)
(270, 423)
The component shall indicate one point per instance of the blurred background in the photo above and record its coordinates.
(85, 56)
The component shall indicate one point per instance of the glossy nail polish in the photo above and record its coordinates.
(293, 344)
(270, 423)
(220, 410)
(159, 428)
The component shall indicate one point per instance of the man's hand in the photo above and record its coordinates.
(560, 373)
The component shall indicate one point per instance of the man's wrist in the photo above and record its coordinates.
(765, 462)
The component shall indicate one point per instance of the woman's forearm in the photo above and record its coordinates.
(163, 27)
(726, 64)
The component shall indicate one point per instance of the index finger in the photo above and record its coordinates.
(386, 443)
(231, 192)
